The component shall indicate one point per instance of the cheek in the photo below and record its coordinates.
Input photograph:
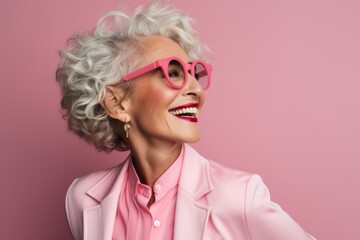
(153, 98)
(157, 92)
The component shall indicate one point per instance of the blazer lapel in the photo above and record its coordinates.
(92, 217)
(99, 220)
(190, 218)
(192, 214)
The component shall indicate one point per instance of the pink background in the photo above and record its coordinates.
(284, 103)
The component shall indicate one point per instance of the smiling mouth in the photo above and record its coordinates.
(188, 112)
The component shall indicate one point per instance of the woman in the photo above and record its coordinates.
(136, 83)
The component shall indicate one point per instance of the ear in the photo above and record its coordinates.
(116, 104)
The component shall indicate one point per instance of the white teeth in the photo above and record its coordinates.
(191, 110)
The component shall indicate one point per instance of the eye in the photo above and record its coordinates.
(174, 73)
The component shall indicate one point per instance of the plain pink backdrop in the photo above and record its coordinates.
(284, 103)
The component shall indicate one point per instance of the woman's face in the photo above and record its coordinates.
(153, 101)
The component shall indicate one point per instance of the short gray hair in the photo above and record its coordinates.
(93, 60)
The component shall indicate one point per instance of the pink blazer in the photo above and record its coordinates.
(213, 202)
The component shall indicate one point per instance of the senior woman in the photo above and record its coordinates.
(136, 82)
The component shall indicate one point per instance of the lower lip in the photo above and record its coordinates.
(190, 119)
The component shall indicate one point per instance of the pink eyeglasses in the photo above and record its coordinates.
(176, 72)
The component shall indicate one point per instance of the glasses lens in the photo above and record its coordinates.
(201, 75)
(176, 73)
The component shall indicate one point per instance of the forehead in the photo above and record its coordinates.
(159, 47)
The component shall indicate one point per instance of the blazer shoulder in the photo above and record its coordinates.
(223, 174)
(231, 184)
(239, 185)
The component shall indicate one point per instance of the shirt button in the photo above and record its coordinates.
(156, 223)
(157, 187)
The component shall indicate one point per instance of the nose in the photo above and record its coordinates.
(193, 87)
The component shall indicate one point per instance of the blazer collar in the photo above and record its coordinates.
(195, 177)
(110, 182)
(195, 174)
(192, 212)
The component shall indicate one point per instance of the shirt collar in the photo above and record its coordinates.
(167, 181)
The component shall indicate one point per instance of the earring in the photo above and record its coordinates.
(126, 129)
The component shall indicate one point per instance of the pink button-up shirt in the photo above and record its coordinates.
(134, 220)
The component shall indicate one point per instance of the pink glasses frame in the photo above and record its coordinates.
(164, 63)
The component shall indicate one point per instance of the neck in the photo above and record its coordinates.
(152, 160)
